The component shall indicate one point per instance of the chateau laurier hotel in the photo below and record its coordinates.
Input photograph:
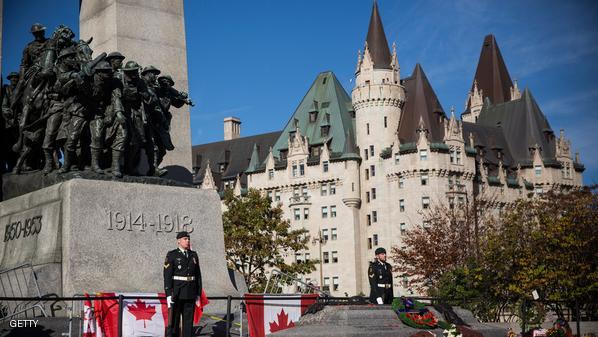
(357, 170)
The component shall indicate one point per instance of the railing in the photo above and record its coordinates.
(278, 280)
(20, 281)
(299, 199)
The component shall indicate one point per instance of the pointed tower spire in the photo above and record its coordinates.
(422, 107)
(492, 75)
(254, 162)
(208, 180)
(376, 41)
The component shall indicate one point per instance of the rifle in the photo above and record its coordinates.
(88, 68)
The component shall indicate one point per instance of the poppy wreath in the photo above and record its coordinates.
(414, 314)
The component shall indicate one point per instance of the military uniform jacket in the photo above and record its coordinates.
(379, 273)
(177, 264)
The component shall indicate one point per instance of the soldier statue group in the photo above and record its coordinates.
(93, 113)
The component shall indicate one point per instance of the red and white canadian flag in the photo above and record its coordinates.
(141, 317)
(265, 316)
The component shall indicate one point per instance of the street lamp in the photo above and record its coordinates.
(320, 240)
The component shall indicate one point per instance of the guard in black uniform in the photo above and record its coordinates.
(380, 276)
(182, 285)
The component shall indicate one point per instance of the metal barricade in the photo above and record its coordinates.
(20, 281)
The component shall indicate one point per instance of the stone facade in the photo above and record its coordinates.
(388, 152)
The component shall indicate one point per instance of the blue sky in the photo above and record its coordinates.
(256, 59)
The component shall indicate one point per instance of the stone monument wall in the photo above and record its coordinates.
(104, 236)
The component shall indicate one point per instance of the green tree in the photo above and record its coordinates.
(256, 237)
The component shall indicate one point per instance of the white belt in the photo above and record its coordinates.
(184, 278)
(380, 285)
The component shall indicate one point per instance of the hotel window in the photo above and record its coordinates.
(453, 156)
(367, 174)
(270, 195)
(277, 195)
(373, 170)
(306, 213)
(325, 234)
(307, 256)
(385, 121)
(271, 174)
(332, 188)
(397, 158)
(401, 182)
(327, 283)
(298, 258)
(374, 216)
(297, 213)
(371, 150)
(402, 205)
(296, 191)
(402, 228)
(294, 170)
(458, 155)
(304, 191)
(539, 190)
(333, 211)
(326, 257)
(334, 257)
(369, 243)
(451, 201)
(335, 283)
(373, 193)
(365, 151)
(424, 179)
(461, 200)
(324, 189)
(333, 234)
(423, 155)
(375, 239)
(538, 170)
(367, 128)
(301, 170)
(425, 202)
(369, 218)
(325, 166)
(367, 196)
(426, 224)
(324, 211)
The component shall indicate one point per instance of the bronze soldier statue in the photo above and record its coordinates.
(117, 129)
(34, 49)
(10, 127)
(168, 96)
(82, 87)
(135, 97)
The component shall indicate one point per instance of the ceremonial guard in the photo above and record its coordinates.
(182, 285)
(380, 276)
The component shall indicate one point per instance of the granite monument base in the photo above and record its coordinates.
(86, 236)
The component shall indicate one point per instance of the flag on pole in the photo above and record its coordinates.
(265, 316)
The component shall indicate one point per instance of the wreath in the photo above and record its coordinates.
(415, 314)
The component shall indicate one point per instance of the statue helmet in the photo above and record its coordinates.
(66, 52)
(37, 27)
(166, 77)
(152, 69)
(12, 74)
(114, 55)
(103, 66)
(131, 66)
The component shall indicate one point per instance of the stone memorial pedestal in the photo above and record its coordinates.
(104, 236)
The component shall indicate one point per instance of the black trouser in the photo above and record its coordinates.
(385, 293)
(184, 309)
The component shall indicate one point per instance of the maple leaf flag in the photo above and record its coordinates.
(141, 317)
(265, 316)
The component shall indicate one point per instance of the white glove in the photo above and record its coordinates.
(169, 301)
(379, 300)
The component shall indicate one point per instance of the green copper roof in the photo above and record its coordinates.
(333, 107)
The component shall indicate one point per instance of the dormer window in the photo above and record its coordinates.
(292, 134)
(313, 116)
(324, 130)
